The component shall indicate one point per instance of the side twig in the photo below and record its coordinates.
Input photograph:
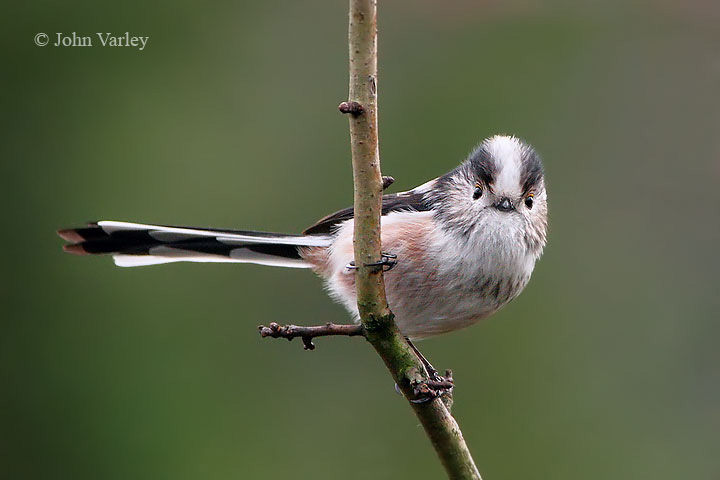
(275, 330)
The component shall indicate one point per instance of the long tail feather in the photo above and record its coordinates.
(136, 244)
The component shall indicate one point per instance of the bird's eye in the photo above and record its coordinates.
(529, 201)
(478, 191)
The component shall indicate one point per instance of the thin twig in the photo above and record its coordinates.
(375, 315)
(275, 330)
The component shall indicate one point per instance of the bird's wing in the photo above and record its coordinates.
(414, 199)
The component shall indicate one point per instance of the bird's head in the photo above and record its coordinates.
(498, 190)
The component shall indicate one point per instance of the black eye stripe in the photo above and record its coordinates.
(531, 169)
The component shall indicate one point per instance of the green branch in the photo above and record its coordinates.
(375, 315)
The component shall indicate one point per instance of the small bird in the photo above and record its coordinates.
(459, 247)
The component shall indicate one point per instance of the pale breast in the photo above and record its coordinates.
(430, 290)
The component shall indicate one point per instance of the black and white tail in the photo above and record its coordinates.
(137, 244)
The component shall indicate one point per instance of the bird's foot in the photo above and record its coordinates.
(434, 387)
(386, 263)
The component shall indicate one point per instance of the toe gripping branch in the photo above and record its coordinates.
(435, 386)
(387, 260)
(386, 263)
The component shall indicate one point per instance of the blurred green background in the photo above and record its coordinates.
(607, 366)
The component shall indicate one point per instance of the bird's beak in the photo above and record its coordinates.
(505, 205)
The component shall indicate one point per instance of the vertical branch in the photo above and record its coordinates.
(366, 156)
(376, 317)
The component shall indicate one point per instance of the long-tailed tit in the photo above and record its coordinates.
(465, 243)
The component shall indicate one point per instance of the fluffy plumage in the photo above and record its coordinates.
(466, 242)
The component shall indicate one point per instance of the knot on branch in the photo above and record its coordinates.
(387, 180)
(275, 330)
(353, 108)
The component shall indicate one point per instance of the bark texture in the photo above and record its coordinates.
(376, 317)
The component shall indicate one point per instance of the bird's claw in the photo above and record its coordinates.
(387, 262)
(432, 388)
(435, 386)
